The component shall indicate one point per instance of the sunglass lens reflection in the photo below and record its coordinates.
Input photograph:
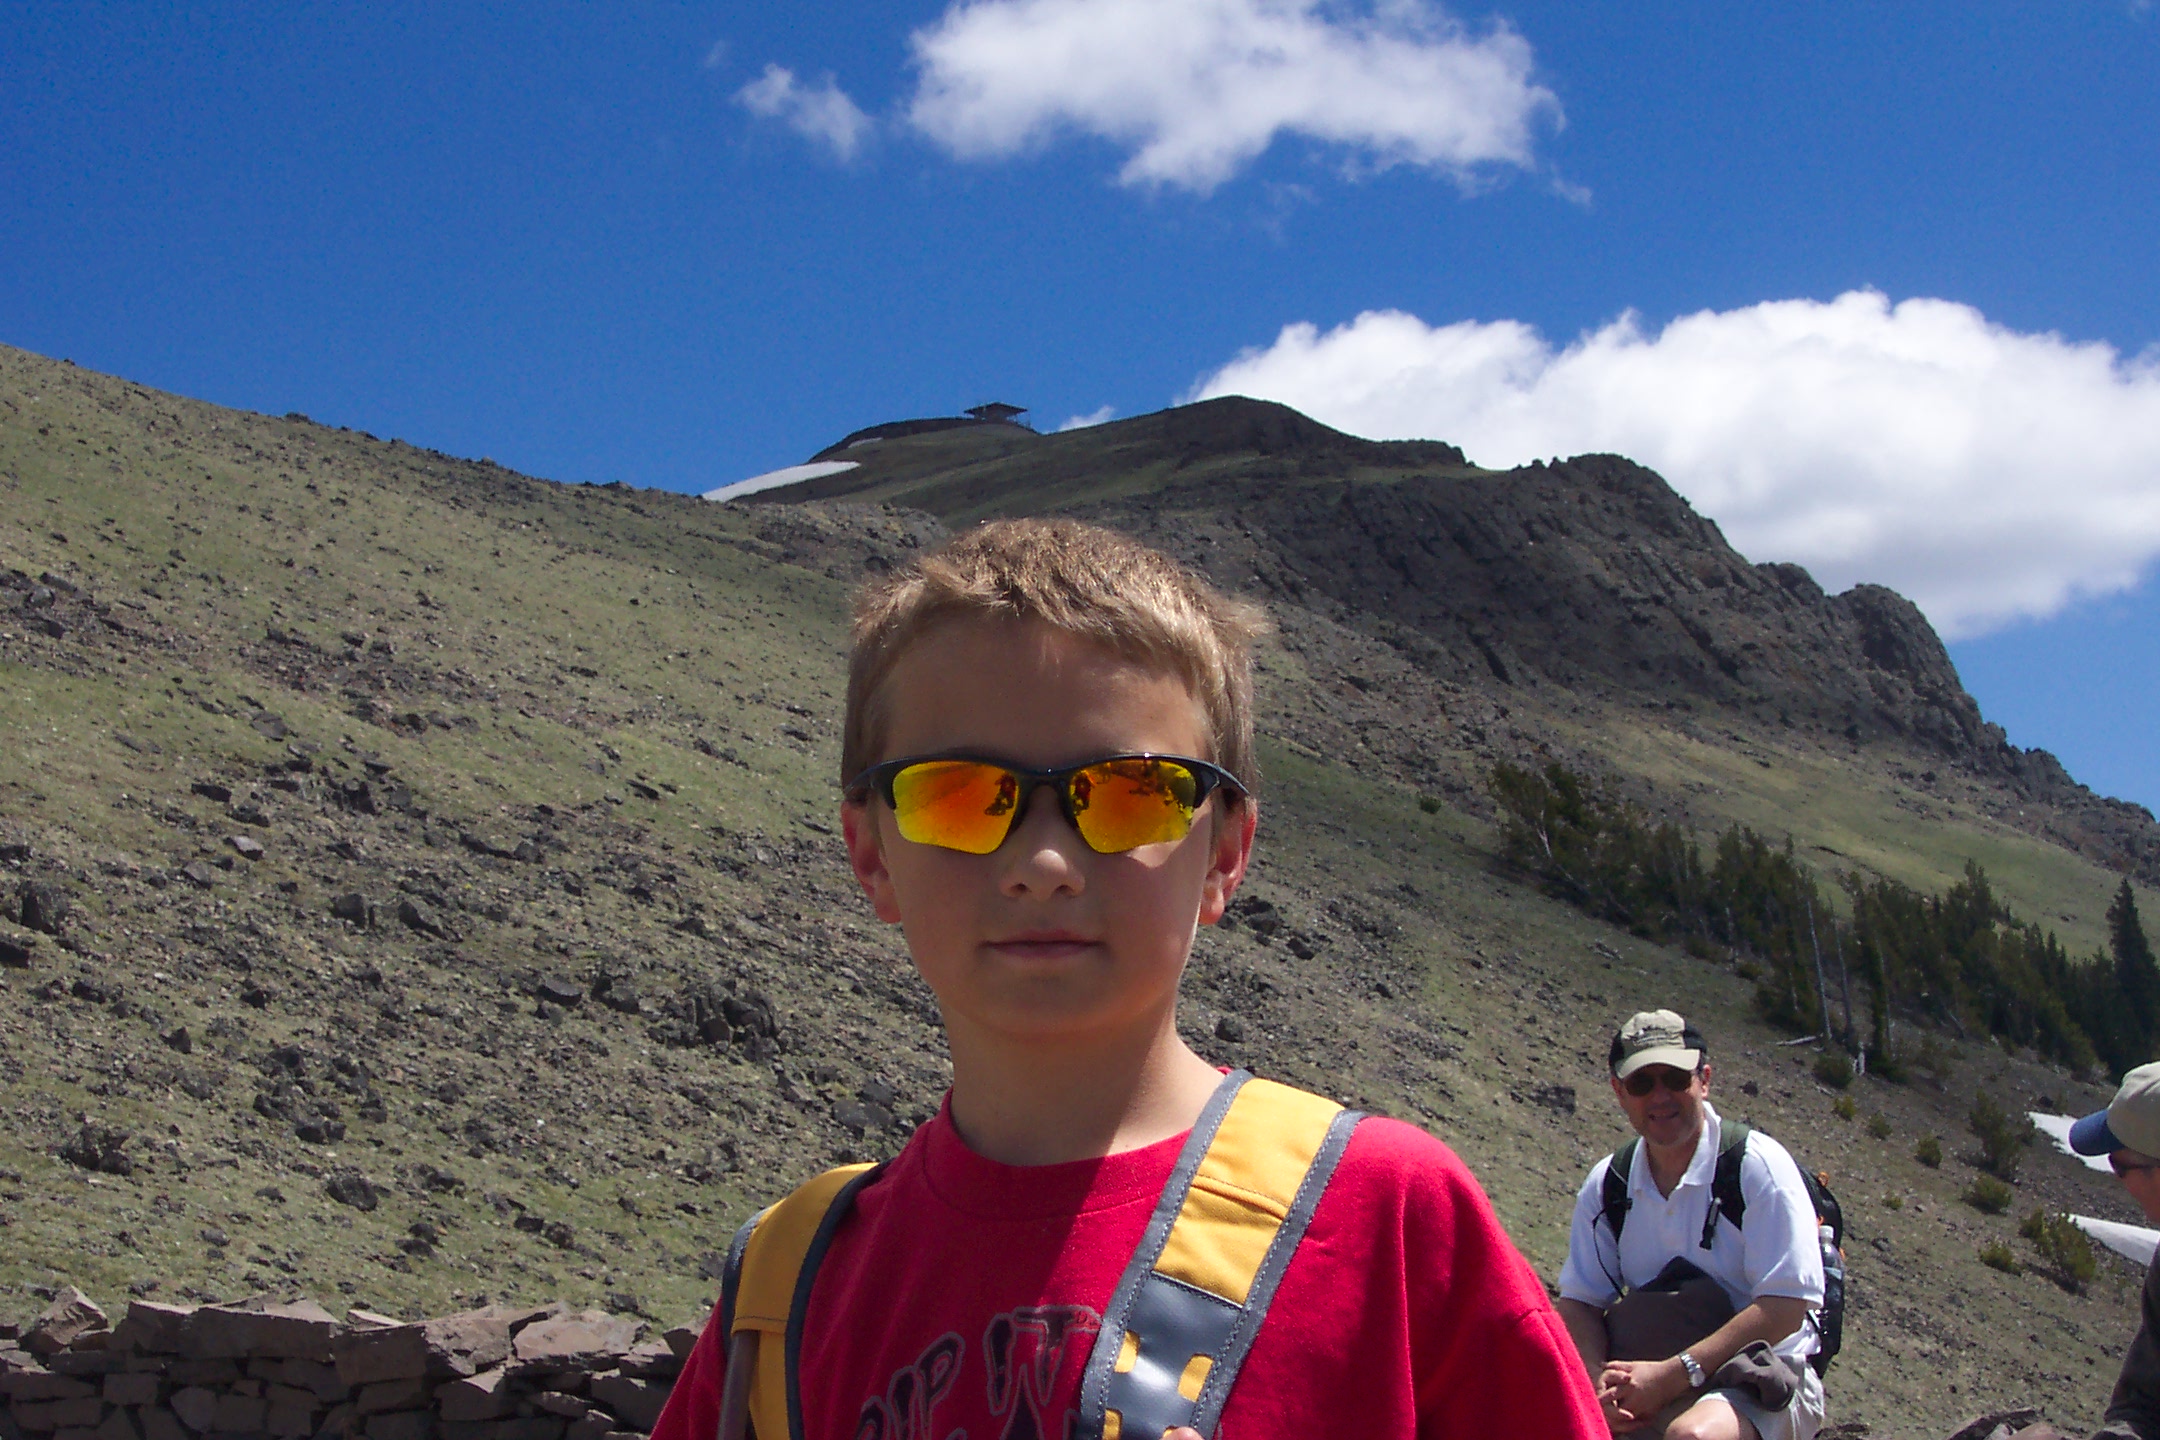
(1124, 804)
(956, 804)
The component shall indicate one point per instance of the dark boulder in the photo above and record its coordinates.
(350, 1187)
(95, 1147)
(44, 907)
(560, 992)
(414, 915)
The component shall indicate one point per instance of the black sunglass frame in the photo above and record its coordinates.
(1650, 1073)
(1208, 777)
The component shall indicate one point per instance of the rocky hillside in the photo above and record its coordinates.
(1582, 582)
(420, 889)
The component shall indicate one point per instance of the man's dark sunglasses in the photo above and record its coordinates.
(2126, 1168)
(970, 803)
(1647, 1079)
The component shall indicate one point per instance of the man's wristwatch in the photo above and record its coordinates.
(1694, 1370)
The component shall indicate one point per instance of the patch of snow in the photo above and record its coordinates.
(2132, 1242)
(774, 479)
(2057, 1127)
(1101, 416)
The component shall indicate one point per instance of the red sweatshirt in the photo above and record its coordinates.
(960, 1300)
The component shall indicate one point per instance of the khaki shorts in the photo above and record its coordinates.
(1797, 1421)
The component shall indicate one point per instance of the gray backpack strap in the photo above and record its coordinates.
(731, 1275)
(1157, 1326)
(1118, 1317)
(734, 1418)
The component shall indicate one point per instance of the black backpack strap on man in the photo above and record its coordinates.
(1614, 1203)
(1726, 1198)
(1725, 1195)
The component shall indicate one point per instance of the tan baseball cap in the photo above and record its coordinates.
(2130, 1122)
(1655, 1037)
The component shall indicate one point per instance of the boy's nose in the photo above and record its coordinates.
(1043, 850)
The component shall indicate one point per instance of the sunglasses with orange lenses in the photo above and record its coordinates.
(1643, 1081)
(970, 803)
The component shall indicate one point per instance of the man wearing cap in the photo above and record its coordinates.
(1769, 1269)
(2128, 1133)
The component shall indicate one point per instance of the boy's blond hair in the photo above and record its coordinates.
(1083, 580)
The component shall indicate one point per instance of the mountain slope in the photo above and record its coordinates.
(1586, 599)
(607, 983)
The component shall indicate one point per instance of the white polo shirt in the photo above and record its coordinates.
(1775, 1252)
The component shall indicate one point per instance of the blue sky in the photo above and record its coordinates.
(1873, 286)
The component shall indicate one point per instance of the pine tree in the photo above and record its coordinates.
(2137, 982)
(1957, 959)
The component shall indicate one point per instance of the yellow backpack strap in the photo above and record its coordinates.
(1186, 1311)
(766, 1288)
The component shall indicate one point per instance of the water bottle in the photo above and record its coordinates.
(1831, 1322)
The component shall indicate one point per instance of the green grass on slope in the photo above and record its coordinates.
(578, 642)
(311, 533)
(1853, 813)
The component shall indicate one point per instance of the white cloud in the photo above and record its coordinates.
(1196, 89)
(714, 57)
(1986, 473)
(1094, 417)
(821, 112)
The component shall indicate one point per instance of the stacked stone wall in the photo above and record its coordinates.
(294, 1371)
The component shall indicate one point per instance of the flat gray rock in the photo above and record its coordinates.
(588, 1339)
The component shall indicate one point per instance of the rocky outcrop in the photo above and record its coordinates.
(292, 1370)
(1583, 581)
(1592, 575)
(1589, 580)
(1592, 580)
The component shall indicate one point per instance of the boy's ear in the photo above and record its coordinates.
(866, 856)
(1233, 837)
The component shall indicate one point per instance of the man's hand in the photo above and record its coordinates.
(1618, 1421)
(1635, 1390)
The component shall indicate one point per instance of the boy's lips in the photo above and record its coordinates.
(1042, 944)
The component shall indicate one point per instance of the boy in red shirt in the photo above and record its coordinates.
(1007, 698)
